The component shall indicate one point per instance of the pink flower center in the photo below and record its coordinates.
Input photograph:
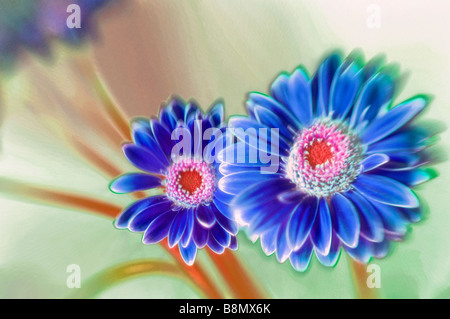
(324, 159)
(190, 183)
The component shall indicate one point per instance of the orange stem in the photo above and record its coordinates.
(196, 273)
(236, 276)
(359, 274)
(122, 272)
(116, 114)
(45, 195)
(40, 194)
(95, 158)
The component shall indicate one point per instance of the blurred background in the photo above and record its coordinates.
(146, 50)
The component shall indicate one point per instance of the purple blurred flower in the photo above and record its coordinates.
(32, 24)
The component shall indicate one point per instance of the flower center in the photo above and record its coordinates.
(318, 153)
(324, 159)
(190, 183)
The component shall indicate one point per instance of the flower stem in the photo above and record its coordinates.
(196, 273)
(114, 111)
(44, 195)
(359, 275)
(74, 201)
(116, 274)
(236, 276)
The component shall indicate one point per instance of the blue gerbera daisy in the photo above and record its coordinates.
(348, 160)
(191, 211)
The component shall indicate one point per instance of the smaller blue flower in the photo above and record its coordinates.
(191, 212)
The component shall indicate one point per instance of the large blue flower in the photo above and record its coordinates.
(348, 160)
(191, 211)
(32, 24)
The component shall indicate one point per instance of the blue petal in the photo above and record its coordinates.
(300, 258)
(196, 135)
(386, 190)
(141, 124)
(410, 140)
(413, 214)
(374, 67)
(220, 235)
(205, 125)
(393, 219)
(405, 159)
(159, 228)
(381, 249)
(143, 159)
(345, 86)
(270, 216)
(215, 143)
(134, 182)
(375, 95)
(142, 220)
(223, 197)
(324, 78)
(371, 224)
(283, 248)
(322, 228)
(200, 235)
(345, 220)
(217, 114)
(125, 217)
(177, 229)
(262, 192)
(191, 112)
(247, 131)
(167, 118)
(301, 222)
(269, 241)
(226, 169)
(187, 235)
(243, 155)
(205, 216)
(229, 225)
(261, 100)
(363, 252)
(299, 91)
(292, 196)
(257, 211)
(162, 136)
(188, 253)
(177, 107)
(332, 257)
(373, 161)
(409, 177)
(270, 119)
(232, 184)
(233, 243)
(143, 137)
(224, 208)
(393, 120)
(215, 246)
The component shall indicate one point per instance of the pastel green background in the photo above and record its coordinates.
(206, 50)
